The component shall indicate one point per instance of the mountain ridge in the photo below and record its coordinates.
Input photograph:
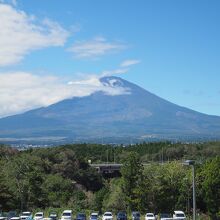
(135, 113)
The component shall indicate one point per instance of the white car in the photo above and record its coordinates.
(25, 215)
(15, 218)
(107, 216)
(150, 216)
(39, 216)
(180, 215)
(66, 215)
(94, 216)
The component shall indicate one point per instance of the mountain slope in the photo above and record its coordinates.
(135, 113)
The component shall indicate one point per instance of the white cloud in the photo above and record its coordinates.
(114, 72)
(125, 67)
(94, 48)
(128, 63)
(21, 91)
(20, 33)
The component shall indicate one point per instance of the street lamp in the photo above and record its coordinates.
(192, 163)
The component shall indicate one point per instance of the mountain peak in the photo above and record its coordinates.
(113, 81)
(119, 111)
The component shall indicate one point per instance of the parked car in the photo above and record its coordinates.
(15, 218)
(180, 215)
(165, 216)
(25, 215)
(150, 216)
(94, 216)
(81, 216)
(107, 216)
(66, 215)
(121, 216)
(53, 215)
(39, 216)
(11, 214)
(136, 216)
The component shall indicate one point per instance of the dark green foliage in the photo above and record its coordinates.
(210, 175)
(148, 152)
(40, 178)
(59, 190)
(60, 177)
(99, 198)
(132, 177)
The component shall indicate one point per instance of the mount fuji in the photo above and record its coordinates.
(132, 114)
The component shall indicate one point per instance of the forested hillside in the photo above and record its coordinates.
(60, 177)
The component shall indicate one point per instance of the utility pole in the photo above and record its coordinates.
(192, 163)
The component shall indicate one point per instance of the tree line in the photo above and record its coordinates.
(60, 177)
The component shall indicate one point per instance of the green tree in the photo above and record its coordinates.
(115, 199)
(58, 190)
(5, 195)
(132, 177)
(211, 186)
(23, 175)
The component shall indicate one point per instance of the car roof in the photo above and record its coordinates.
(135, 212)
(179, 212)
(67, 211)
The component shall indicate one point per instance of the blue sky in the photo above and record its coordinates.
(169, 47)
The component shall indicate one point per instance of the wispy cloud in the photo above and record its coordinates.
(12, 2)
(21, 33)
(124, 67)
(114, 72)
(22, 91)
(128, 63)
(95, 48)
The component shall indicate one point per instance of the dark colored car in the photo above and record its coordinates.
(81, 216)
(12, 214)
(164, 216)
(121, 216)
(136, 216)
(53, 215)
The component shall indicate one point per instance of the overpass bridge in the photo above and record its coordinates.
(111, 169)
(107, 168)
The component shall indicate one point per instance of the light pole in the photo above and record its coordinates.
(192, 163)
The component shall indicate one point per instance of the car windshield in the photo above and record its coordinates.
(53, 213)
(136, 214)
(164, 215)
(66, 214)
(94, 216)
(150, 215)
(107, 214)
(39, 215)
(180, 215)
(81, 215)
(121, 214)
(26, 213)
